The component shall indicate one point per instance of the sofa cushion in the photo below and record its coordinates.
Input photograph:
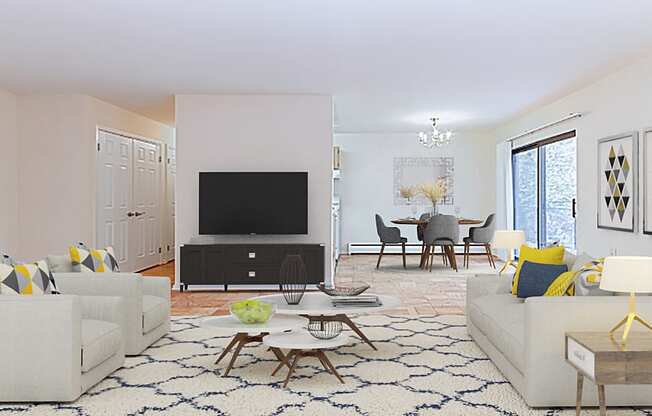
(501, 319)
(60, 264)
(100, 341)
(155, 312)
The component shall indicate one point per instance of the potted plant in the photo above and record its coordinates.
(434, 192)
(409, 192)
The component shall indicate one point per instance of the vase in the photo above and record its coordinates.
(292, 279)
(435, 210)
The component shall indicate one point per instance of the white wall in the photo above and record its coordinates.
(366, 185)
(57, 171)
(255, 133)
(8, 173)
(619, 103)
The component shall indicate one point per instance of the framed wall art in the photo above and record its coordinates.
(618, 182)
(647, 181)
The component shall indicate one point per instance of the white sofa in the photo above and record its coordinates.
(146, 299)
(525, 339)
(55, 347)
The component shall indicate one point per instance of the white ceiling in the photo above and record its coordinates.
(389, 64)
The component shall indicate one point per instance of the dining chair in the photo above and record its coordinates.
(420, 227)
(480, 236)
(389, 235)
(442, 231)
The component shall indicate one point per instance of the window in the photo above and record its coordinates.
(545, 190)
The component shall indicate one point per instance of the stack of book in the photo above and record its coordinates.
(360, 301)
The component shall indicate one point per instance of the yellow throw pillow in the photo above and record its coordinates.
(550, 255)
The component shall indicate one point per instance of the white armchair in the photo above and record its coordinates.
(146, 302)
(55, 347)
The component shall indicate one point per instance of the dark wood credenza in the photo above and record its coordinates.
(245, 264)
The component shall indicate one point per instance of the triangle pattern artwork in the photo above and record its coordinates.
(616, 195)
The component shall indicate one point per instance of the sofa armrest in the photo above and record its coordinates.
(548, 319)
(40, 352)
(157, 286)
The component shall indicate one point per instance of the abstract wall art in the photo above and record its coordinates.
(618, 182)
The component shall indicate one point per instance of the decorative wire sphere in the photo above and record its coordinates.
(321, 329)
(293, 278)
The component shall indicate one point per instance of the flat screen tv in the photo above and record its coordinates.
(253, 203)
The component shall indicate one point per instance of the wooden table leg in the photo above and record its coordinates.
(285, 360)
(228, 348)
(601, 398)
(324, 359)
(346, 320)
(297, 355)
(578, 400)
(241, 339)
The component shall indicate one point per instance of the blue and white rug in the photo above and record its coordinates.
(423, 366)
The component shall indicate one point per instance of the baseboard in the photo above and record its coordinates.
(410, 248)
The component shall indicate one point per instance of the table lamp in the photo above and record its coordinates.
(509, 240)
(628, 275)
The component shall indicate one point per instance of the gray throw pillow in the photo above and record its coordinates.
(535, 278)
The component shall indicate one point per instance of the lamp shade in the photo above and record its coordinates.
(627, 274)
(508, 239)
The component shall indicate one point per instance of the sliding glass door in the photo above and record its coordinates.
(545, 190)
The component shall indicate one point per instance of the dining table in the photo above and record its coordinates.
(417, 222)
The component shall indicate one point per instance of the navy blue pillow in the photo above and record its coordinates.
(535, 278)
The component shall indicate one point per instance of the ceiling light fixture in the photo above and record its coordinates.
(435, 137)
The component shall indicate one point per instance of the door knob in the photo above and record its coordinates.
(131, 214)
(138, 214)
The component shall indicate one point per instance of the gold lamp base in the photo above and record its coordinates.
(509, 262)
(628, 320)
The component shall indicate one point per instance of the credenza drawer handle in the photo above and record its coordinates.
(252, 255)
(252, 274)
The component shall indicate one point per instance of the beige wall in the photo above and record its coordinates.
(8, 173)
(618, 103)
(255, 133)
(57, 170)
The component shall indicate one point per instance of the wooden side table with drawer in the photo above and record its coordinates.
(604, 359)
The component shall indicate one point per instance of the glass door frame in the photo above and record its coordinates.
(541, 189)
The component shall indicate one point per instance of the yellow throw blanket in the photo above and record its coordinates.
(564, 284)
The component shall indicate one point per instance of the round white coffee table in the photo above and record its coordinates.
(318, 306)
(301, 344)
(247, 333)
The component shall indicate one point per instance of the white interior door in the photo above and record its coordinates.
(114, 195)
(171, 211)
(145, 230)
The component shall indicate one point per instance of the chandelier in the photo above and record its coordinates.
(435, 137)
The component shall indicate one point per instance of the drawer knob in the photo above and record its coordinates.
(252, 274)
(252, 255)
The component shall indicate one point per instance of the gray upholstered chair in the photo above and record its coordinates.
(481, 236)
(420, 229)
(389, 235)
(442, 231)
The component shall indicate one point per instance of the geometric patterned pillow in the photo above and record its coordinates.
(92, 260)
(27, 279)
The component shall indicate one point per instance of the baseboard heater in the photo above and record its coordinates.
(410, 248)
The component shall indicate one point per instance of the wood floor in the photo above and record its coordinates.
(441, 291)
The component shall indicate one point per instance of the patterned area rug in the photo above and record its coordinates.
(423, 366)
